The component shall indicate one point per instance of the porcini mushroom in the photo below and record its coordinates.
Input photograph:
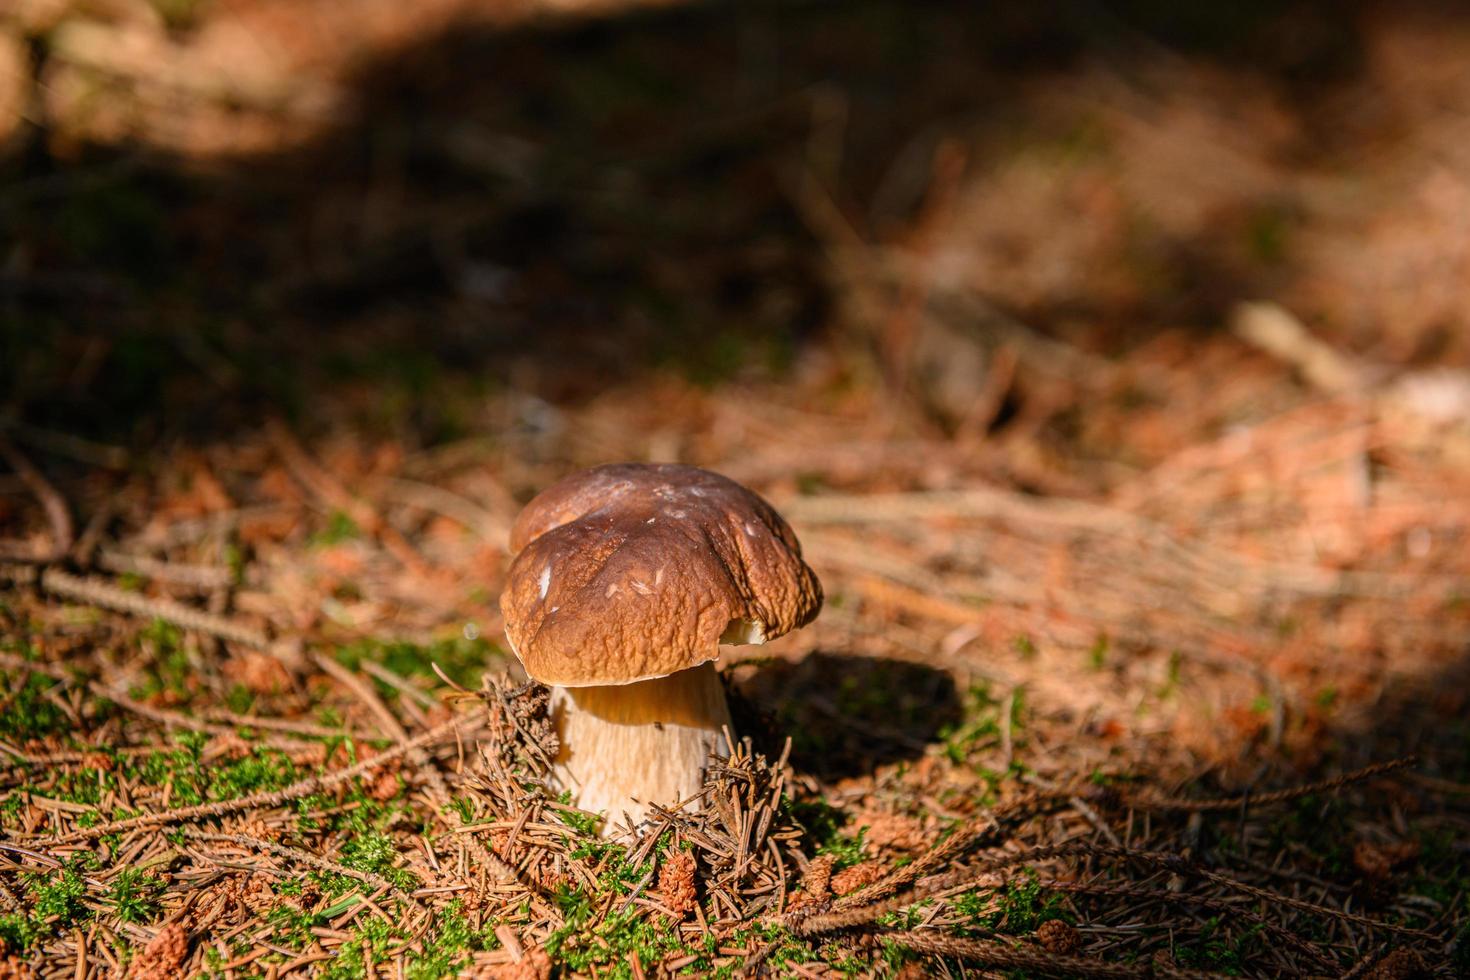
(626, 580)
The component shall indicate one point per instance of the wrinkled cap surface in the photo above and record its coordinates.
(633, 571)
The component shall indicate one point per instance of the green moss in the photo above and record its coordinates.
(340, 528)
(170, 669)
(908, 918)
(1267, 235)
(239, 699)
(1016, 908)
(785, 950)
(371, 940)
(464, 808)
(821, 821)
(134, 895)
(585, 824)
(86, 786)
(585, 944)
(20, 931)
(980, 727)
(31, 714)
(462, 660)
(374, 851)
(1441, 873)
(846, 850)
(590, 940)
(895, 957)
(55, 904)
(1317, 826)
(447, 947)
(1216, 949)
(57, 895)
(1171, 676)
(290, 926)
(262, 770)
(194, 781)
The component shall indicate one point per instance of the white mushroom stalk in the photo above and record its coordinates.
(626, 746)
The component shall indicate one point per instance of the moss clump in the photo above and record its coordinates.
(1216, 949)
(449, 943)
(55, 899)
(30, 713)
(591, 941)
(134, 895)
(1016, 908)
(462, 660)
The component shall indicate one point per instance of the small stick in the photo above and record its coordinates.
(1025, 957)
(201, 577)
(52, 502)
(304, 787)
(1149, 802)
(963, 839)
(1183, 866)
(326, 487)
(1213, 904)
(212, 721)
(105, 595)
(301, 857)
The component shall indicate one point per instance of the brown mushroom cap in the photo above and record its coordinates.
(633, 571)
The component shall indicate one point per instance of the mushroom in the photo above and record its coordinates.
(626, 580)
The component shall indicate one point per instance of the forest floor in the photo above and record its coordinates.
(1114, 372)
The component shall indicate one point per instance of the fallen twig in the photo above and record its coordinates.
(1149, 801)
(57, 513)
(301, 857)
(274, 798)
(331, 492)
(105, 595)
(993, 953)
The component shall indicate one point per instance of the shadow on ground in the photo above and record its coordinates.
(845, 714)
(554, 208)
(1407, 717)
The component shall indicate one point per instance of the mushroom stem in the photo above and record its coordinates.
(627, 745)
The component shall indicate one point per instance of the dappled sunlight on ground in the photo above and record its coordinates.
(1116, 382)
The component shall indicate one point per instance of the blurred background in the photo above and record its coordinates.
(1115, 353)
